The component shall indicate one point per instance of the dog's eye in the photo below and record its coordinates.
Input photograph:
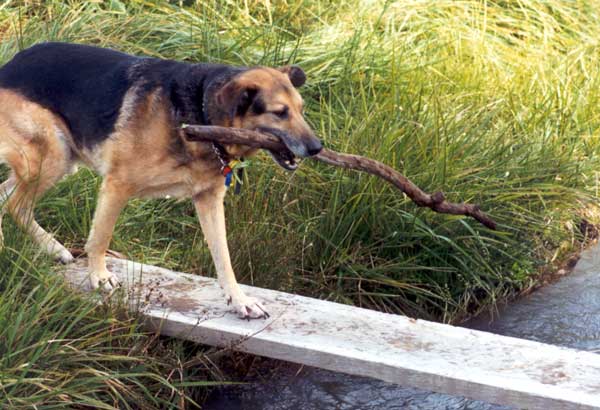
(282, 114)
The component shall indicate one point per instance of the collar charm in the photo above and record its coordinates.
(228, 167)
(227, 172)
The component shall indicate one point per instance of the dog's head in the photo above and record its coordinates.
(266, 99)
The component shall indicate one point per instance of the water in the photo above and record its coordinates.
(565, 313)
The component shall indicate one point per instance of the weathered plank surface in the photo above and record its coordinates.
(347, 339)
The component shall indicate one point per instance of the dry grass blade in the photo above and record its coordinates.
(436, 201)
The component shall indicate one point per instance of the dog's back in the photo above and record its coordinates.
(84, 85)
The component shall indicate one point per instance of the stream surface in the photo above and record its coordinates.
(565, 313)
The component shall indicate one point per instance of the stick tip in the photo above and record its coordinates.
(491, 224)
(485, 220)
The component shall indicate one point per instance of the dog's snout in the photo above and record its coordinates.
(314, 147)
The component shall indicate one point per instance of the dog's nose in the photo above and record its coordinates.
(314, 148)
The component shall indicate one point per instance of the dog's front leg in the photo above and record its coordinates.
(209, 206)
(112, 199)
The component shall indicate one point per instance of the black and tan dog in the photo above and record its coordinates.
(61, 104)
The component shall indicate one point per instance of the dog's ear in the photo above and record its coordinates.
(295, 73)
(235, 99)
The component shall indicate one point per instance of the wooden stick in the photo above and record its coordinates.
(436, 201)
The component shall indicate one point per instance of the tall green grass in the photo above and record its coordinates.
(493, 102)
(59, 350)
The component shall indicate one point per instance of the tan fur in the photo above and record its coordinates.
(33, 144)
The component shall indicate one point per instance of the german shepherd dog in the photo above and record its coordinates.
(63, 104)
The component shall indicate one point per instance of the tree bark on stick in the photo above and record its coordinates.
(436, 201)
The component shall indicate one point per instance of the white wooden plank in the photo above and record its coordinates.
(416, 353)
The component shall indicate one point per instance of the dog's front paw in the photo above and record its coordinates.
(104, 280)
(248, 308)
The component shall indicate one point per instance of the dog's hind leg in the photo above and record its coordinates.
(209, 206)
(33, 144)
(28, 183)
(6, 188)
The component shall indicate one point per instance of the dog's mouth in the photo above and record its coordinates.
(285, 159)
(294, 149)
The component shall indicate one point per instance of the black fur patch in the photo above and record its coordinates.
(259, 106)
(86, 85)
